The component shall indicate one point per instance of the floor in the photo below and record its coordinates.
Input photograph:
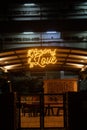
(49, 121)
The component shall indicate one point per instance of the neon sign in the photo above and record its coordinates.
(41, 57)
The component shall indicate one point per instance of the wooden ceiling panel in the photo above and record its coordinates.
(67, 59)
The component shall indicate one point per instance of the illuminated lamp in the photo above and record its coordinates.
(41, 57)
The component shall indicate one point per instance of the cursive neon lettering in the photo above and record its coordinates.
(41, 57)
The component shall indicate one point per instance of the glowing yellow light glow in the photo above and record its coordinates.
(41, 57)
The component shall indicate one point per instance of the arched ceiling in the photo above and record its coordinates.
(68, 59)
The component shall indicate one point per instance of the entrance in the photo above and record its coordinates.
(46, 109)
(42, 111)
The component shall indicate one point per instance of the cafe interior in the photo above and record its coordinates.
(43, 65)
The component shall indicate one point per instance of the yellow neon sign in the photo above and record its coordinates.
(41, 57)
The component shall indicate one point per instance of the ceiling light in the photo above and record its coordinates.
(51, 32)
(28, 32)
(29, 4)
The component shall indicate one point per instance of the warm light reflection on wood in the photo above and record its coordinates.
(41, 57)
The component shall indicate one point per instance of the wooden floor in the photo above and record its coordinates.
(34, 122)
